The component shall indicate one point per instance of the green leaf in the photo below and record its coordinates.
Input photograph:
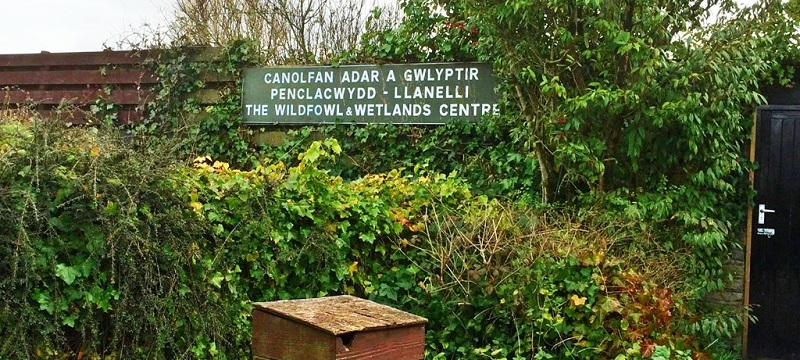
(45, 303)
(622, 38)
(70, 320)
(67, 273)
(367, 237)
(216, 279)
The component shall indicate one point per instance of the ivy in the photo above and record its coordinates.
(587, 221)
(182, 115)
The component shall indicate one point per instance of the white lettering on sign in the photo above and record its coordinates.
(392, 110)
(257, 109)
(297, 77)
(361, 76)
(308, 109)
(413, 93)
(446, 74)
(338, 93)
(456, 110)
(431, 92)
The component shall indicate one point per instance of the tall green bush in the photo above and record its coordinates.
(94, 243)
(108, 250)
(639, 108)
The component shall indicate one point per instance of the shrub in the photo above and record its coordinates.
(489, 155)
(500, 281)
(107, 251)
(93, 247)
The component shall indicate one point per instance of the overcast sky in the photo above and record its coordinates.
(32, 26)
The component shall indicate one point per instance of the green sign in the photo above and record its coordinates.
(399, 94)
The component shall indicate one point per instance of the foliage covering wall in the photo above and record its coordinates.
(603, 110)
(588, 225)
(114, 252)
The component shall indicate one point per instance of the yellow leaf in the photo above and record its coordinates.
(592, 258)
(577, 301)
(196, 205)
(353, 268)
(95, 151)
(330, 227)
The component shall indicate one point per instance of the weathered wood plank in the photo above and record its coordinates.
(82, 117)
(76, 97)
(338, 315)
(277, 338)
(77, 77)
(98, 58)
(403, 343)
(49, 79)
(84, 77)
(207, 96)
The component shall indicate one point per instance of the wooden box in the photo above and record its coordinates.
(336, 327)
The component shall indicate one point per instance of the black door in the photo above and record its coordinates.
(775, 242)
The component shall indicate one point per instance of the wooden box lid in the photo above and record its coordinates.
(338, 315)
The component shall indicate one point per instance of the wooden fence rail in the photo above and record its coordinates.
(46, 82)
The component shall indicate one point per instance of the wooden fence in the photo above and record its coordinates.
(46, 82)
